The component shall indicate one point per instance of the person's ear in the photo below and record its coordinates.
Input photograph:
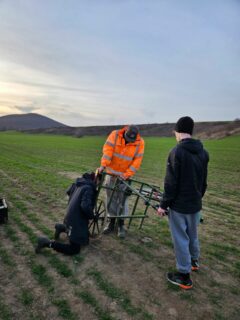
(176, 135)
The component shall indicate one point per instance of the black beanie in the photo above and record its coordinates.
(185, 125)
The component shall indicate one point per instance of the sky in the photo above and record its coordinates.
(103, 62)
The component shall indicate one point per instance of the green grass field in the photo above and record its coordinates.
(112, 279)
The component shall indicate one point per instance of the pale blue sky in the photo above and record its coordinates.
(118, 61)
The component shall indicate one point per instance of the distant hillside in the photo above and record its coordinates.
(203, 130)
(27, 121)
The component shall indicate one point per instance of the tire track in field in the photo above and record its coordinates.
(233, 203)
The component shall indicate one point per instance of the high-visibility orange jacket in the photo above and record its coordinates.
(120, 158)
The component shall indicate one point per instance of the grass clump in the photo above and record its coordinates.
(26, 297)
(237, 269)
(11, 234)
(5, 258)
(60, 266)
(64, 309)
(40, 274)
(5, 313)
(89, 299)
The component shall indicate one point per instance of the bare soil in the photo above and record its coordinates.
(139, 275)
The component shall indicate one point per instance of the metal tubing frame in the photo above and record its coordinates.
(137, 192)
(134, 207)
(145, 212)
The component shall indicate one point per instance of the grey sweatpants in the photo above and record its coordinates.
(185, 238)
(116, 201)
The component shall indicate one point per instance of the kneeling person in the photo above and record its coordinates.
(81, 203)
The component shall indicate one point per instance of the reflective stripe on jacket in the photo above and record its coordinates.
(120, 158)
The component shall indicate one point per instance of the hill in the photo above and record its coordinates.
(204, 130)
(36, 123)
(27, 121)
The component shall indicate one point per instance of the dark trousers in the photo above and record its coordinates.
(68, 249)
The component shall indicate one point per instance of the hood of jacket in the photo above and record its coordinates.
(85, 181)
(191, 145)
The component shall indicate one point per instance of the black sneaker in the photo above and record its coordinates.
(59, 228)
(180, 279)
(43, 242)
(195, 265)
(110, 227)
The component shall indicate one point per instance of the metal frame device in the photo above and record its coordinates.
(143, 195)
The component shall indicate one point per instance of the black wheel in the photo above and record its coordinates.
(96, 226)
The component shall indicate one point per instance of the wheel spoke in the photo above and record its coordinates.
(93, 228)
(100, 205)
(98, 227)
(90, 224)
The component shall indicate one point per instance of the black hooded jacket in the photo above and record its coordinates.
(186, 177)
(81, 203)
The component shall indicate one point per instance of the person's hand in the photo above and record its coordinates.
(101, 169)
(161, 212)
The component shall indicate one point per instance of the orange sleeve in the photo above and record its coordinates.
(108, 149)
(136, 163)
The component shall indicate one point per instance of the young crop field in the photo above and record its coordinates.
(112, 278)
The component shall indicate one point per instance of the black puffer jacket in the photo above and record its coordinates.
(82, 196)
(186, 177)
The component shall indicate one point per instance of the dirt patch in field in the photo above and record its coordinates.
(71, 175)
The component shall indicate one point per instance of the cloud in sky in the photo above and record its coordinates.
(111, 62)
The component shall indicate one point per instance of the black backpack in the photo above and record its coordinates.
(3, 211)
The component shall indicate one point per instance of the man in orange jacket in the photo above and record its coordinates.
(122, 156)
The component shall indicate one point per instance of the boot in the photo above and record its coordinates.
(121, 229)
(110, 227)
(59, 228)
(43, 242)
